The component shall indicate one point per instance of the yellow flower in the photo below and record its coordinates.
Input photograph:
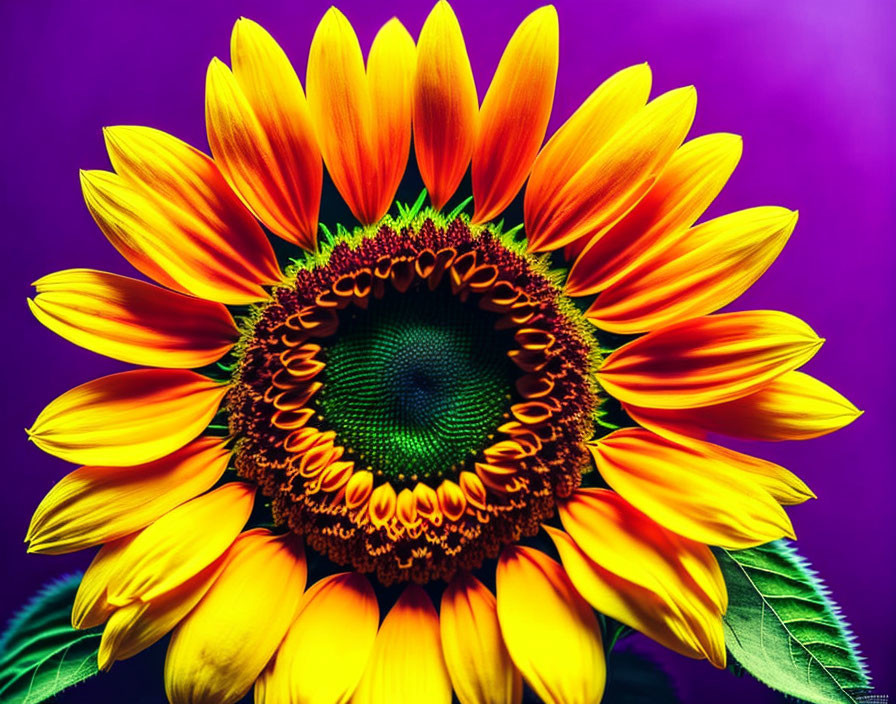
(432, 400)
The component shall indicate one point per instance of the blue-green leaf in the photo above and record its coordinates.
(783, 628)
(40, 653)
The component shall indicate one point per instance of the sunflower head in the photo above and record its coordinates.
(418, 400)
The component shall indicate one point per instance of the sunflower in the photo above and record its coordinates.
(493, 435)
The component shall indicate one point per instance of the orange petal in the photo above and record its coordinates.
(795, 406)
(91, 608)
(390, 74)
(515, 113)
(477, 659)
(219, 650)
(181, 543)
(591, 126)
(261, 135)
(446, 108)
(94, 505)
(127, 418)
(316, 663)
(625, 601)
(406, 666)
(131, 320)
(708, 360)
(210, 230)
(706, 496)
(614, 179)
(691, 180)
(704, 269)
(362, 118)
(135, 627)
(550, 631)
(628, 544)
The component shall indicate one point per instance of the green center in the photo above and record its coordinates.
(416, 384)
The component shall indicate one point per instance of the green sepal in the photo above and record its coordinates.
(40, 653)
(782, 626)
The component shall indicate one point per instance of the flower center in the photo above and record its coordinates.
(417, 401)
(415, 385)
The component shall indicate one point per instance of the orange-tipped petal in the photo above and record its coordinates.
(94, 505)
(446, 108)
(706, 496)
(91, 608)
(704, 269)
(390, 74)
(261, 135)
(210, 230)
(362, 118)
(406, 666)
(178, 545)
(316, 663)
(625, 601)
(131, 320)
(612, 181)
(477, 659)
(626, 543)
(708, 360)
(515, 113)
(219, 650)
(589, 128)
(127, 418)
(135, 627)
(550, 631)
(795, 406)
(693, 177)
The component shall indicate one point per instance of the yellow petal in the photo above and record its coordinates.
(406, 666)
(341, 109)
(612, 532)
(218, 651)
(550, 631)
(131, 320)
(693, 177)
(627, 602)
(446, 108)
(593, 123)
(612, 181)
(515, 113)
(362, 118)
(135, 627)
(390, 74)
(181, 543)
(477, 659)
(682, 573)
(316, 663)
(703, 495)
(94, 505)
(91, 608)
(127, 418)
(708, 360)
(261, 135)
(702, 270)
(795, 406)
(185, 187)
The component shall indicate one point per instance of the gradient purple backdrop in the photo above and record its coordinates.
(809, 84)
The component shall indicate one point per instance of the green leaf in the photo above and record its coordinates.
(784, 629)
(40, 653)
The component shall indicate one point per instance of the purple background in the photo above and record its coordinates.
(808, 84)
